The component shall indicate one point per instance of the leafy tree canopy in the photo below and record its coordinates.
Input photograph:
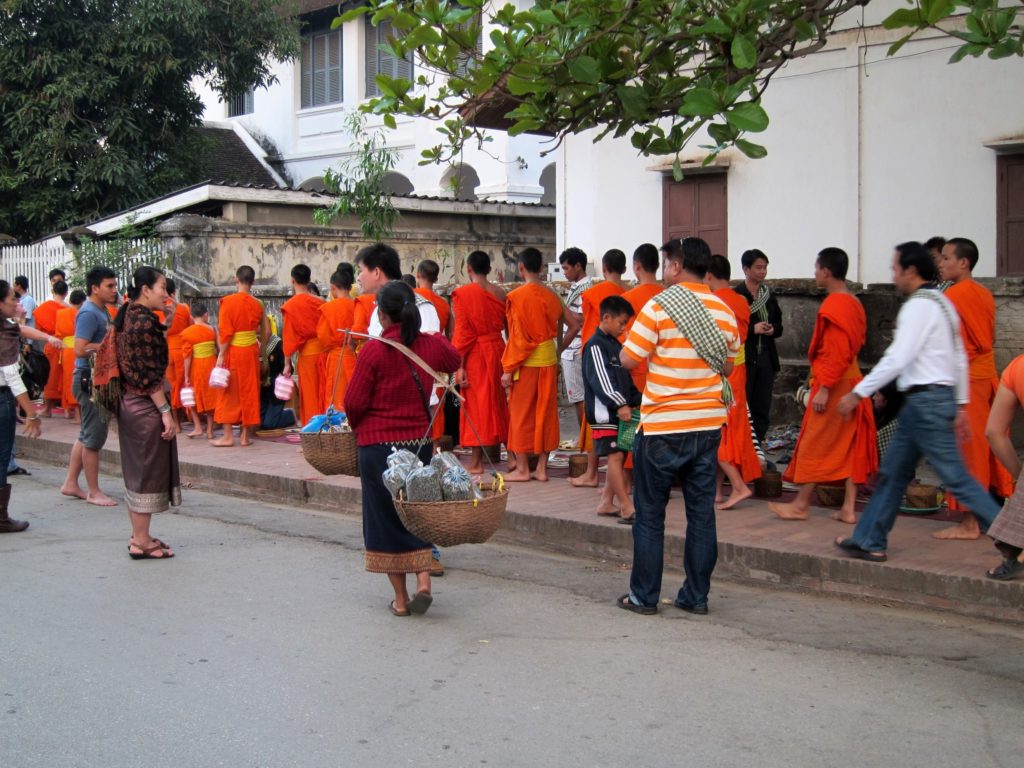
(96, 100)
(657, 71)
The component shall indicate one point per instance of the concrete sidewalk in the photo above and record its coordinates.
(753, 544)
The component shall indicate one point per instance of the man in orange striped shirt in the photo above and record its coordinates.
(689, 338)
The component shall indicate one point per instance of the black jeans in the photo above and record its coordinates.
(760, 382)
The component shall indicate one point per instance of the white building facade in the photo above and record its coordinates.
(301, 119)
(864, 151)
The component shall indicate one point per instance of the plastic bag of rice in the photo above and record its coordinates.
(423, 484)
(400, 464)
(456, 484)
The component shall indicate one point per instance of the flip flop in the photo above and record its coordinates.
(395, 611)
(420, 602)
(627, 520)
(148, 553)
(626, 603)
(1006, 570)
(19, 471)
(853, 549)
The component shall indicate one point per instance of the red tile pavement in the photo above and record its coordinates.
(753, 543)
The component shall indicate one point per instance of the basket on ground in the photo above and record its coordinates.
(922, 496)
(447, 523)
(331, 453)
(830, 495)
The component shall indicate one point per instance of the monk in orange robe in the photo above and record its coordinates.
(427, 274)
(337, 316)
(479, 310)
(361, 314)
(530, 365)
(300, 315)
(613, 265)
(45, 318)
(646, 259)
(242, 332)
(199, 354)
(831, 448)
(977, 310)
(181, 320)
(64, 329)
(737, 458)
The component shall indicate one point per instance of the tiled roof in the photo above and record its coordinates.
(226, 157)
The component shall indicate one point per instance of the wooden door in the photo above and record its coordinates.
(1010, 215)
(697, 206)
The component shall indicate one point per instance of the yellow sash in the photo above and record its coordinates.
(741, 357)
(68, 342)
(243, 339)
(545, 354)
(203, 350)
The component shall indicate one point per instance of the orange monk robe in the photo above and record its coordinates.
(301, 313)
(444, 313)
(591, 304)
(479, 321)
(336, 316)
(175, 360)
(977, 310)
(365, 304)
(45, 318)
(240, 313)
(531, 356)
(199, 342)
(113, 308)
(64, 329)
(737, 443)
(831, 448)
(637, 298)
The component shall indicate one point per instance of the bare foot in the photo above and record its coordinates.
(516, 476)
(100, 499)
(475, 469)
(225, 442)
(539, 476)
(73, 491)
(738, 494)
(246, 442)
(719, 498)
(967, 530)
(844, 516)
(583, 481)
(788, 511)
(607, 509)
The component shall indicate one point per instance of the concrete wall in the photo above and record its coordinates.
(864, 152)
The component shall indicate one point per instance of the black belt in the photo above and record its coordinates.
(5, 390)
(918, 388)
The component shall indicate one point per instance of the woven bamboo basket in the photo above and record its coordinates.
(830, 495)
(331, 453)
(448, 523)
(577, 465)
(922, 496)
(768, 485)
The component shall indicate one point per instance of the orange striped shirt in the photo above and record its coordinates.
(682, 393)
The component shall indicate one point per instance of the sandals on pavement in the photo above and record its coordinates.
(626, 603)
(627, 520)
(19, 471)
(1006, 570)
(420, 602)
(149, 553)
(853, 549)
(395, 611)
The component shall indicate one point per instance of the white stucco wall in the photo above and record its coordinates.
(860, 157)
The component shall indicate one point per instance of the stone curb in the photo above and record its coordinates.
(838, 575)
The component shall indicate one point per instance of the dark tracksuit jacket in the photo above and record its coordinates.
(607, 385)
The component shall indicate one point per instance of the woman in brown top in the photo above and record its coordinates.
(146, 428)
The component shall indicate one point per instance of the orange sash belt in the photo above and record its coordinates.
(983, 366)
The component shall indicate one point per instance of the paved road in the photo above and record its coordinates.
(265, 644)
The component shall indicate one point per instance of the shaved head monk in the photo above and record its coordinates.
(479, 311)
(530, 366)
(45, 317)
(180, 319)
(832, 448)
(243, 330)
(300, 314)
(427, 273)
(737, 459)
(977, 309)
(336, 317)
(613, 265)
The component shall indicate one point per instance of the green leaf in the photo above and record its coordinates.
(585, 69)
(634, 100)
(350, 15)
(519, 86)
(389, 121)
(420, 36)
(714, 27)
(959, 54)
(939, 10)
(747, 117)
(744, 54)
(546, 18)
(750, 149)
(677, 169)
(904, 17)
(1001, 50)
(898, 44)
(700, 102)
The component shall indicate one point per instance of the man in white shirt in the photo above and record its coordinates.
(574, 267)
(378, 265)
(928, 361)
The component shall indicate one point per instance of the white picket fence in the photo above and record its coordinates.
(36, 261)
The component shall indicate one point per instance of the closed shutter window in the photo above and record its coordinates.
(321, 68)
(380, 62)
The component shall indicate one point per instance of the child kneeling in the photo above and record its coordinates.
(609, 397)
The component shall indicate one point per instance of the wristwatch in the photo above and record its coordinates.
(165, 408)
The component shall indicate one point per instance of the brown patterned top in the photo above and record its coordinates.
(141, 351)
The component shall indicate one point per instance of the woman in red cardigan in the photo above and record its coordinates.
(387, 404)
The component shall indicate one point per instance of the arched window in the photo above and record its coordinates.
(460, 182)
(549, 183)
(315, 184)
(397, 184)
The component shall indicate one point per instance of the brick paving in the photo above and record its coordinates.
(754, 545)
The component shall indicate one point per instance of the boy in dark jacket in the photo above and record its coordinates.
(609, 397)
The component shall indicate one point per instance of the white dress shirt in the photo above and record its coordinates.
(926, 349)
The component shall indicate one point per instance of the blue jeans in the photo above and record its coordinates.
(659, 460)
(924, 427)
(8, 425)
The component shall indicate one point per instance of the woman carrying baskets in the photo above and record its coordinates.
(387, 405)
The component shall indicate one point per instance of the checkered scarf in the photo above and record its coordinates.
(695, 322)
(759, 309)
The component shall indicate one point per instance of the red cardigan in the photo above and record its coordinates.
(382, 402)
